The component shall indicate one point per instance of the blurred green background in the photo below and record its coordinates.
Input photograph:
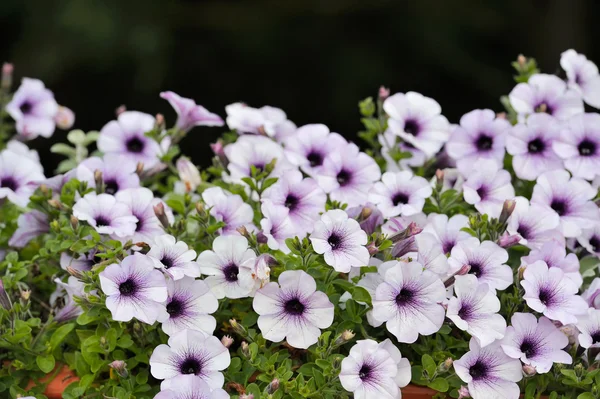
(315, 59)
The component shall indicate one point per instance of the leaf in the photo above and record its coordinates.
(45, 363)
(63, 149)
(428, 364)
(586, 395)
(439, 384)
(361, 295)
(76, 136)
(60, 334)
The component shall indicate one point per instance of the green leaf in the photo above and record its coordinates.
(45, 363)
(586, 395)
(359, 294)
(60, 334)
(76, 136)
(569, 374)
(63, 149)
(439, 384)
(428, 364)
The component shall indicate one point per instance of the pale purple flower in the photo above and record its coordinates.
(173, 257)
(370, 223)
(134, 289)
(545, 93)
(480, 135)
(266, 120)
(590, 239)
(83, 262)
(409, 301)
(489, 372)
(370, 282)
(126, 137)
(554, 253)
(118, 172)
(33, 107)
(29, 226)
(303, 197)
(261, 271)
(375, 370)
(487, 261)
(228, 208)
(340, 240)
(21, 149)
(592, 294)
(582, 76)
(548, 291)
(474, 309)
(189, 114)
(430, 254)
(588, 325)
(530, 144)
(67, 291)
(293, 309)
(579, 145)
(447, 230)
(189, 305)
(229, 267)
(570, 198)
(417, 119)
(402, 230)
(19, 177)
(189, 174)
(347, 175)
(105, 214)
(400, 193)
(190, 352)
(535, 223)
(277, 226)
(141, 204)
(310, 145)
(538, 344)
(189, 387)
(487, 187)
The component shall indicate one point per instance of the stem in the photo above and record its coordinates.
(329, 278)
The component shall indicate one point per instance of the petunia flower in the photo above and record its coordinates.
(174, 257)
(582, 76)
(590, 239)
(579, 145)
(266, 120)
(375, 370)
(341, 241)
(534, 223)
(400, 193)
(141, 204)
(228, 208)
(487, 187)
(530, 144)
(487, 261)
(409, 300)
(548, 291)
(189, 174)
(588, 325)
(81, 262)
(33, 107)
(190, 352)
(474, 309)
(592, 294)
(134, 289)
(21, 149)
(19, 177)
(390, 142)
(480, 135)
(538, 344)
(29, 226)
(67, 292)
(417, 119)
(189, 387)
(293, 309)
(430, 254)
(189, 114)
(105, 214)
(489, 372)
(229, 267)
(277, 226)
(447, 230)
(554, 253)
(118, 172)
(370, 223)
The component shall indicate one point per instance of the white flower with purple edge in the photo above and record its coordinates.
(29, 226)
(487, 187)
(134, 289)
(400, 193)
(579, 145)
(554, 253)
(536, 224)
(447, 230)
(189, 387)
(173, 257)
(228, 208)
(189, 114)
(105, 214)
(19, 177)
(33, 107)
(588, 325)
(582, 76)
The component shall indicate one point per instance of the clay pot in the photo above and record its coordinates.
(59, 383)
(416, 392)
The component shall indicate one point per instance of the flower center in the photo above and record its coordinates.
(26, 107)
(587, 148)
(544, 108)
(536, 146)
(448, 245)
(231, 272)
(294, 307)
(315, 158)
(595, 243)
(484, 142)
(482, 192)
(291, 202)
(529, 348)
(411, 127)
(365, 372)
(399, 198)
(128, 287)
(478, 371)
(102, 221)
(546, 296)
(559, 206)
(260, 167)
(135, 145)
(465, 311)
(404, 296)
(190, 366)
(476, 269)
(111, 187)
(343, 178)
(334, 241)
(524, 231)
(596, 336)
(167, 261)
(175, 307)
(9, 183)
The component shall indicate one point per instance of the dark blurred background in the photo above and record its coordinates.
(313, 58)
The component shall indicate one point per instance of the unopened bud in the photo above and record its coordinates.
(99, 181)
(44, 189)
(102, 340)
(7, 73)
(501, 115)
(578, 369)
(245, 348)
(521, 60)
(54, 203)
(75, 272)
(344, 337)
(521, 271)
(571, 332)
(464, 269)
(237, 327)
(139, 169)
(463, 392)
(227, 341)
(507, 209)
(120, 367)
(365, 213)
(199, 208)
(412, 230)
(243, 231)
(528, 370)
(261, 238)
(189, 174)
(159, 211)
(445, 365)
(384, 93)
(25, 294)
(64, 118)
(219, 151)
(74, 222)
(273, 386)
(120, 110)
(160, 122)
(4, 298)
(372, 248)
(262, 268)
(509, 240)
(54, 225)
(439, 179)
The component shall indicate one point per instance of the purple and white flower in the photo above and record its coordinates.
(480, 135)
(33, 107)
(530, 144)
(340, 240)
(370, 223)
(134, 289)
(430, 254)
(229, 267)
(409, 301)
(582, 76)
(588, 325)
(173, 257)
(590, 239)
(29, 226)
(579, 145)
(347, 175)
(375, 369)
(105, 214)
(417, 120)
(19, 177)
(190, 352)
(554, 253)
(487, 187)
(189, 387)
(548, 291)
(570, 198)
(534, 223)
(389, 141)
(266, 120)
(118, 172)
(21, 149)
(67, 291)
(228, 208)
(189, 114)
(487, 261)
(277, 226)
(400, 193)
(538, 344)
(474, 309)
(489, 372)
(189, 305)
(592, 294)
(293, 309)
(447, 230)
(548, 94)
(83, 262)
(189, 174)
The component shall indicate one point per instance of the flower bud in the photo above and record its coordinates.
(245, 349)
(528, 370)
(99, 181)
(237, 327)
(7, 73)
(120, 367)
(262, 131)
(219, 151)
(159, 211)
(25, 294)
(372, 248)
(54, 203)
(44, 189)
(463, 393)
(189, 174)
(139, 169)
(4, 298)
(75, 272)
(501, 115)
(521, 60)
(521, 271)
(262, 268)
(461, 272)
(273, 386)
(507, 241)
(571, 332)
(364, 214)
(120, 110)
(507, 209)
(412, 230)
(64, 118)
(74, 222)
(445, 365)
(243, 231)
(199, 208)
(439, 180)
(384, 93)
(227, 341)
(160, 122)
(344, 337)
